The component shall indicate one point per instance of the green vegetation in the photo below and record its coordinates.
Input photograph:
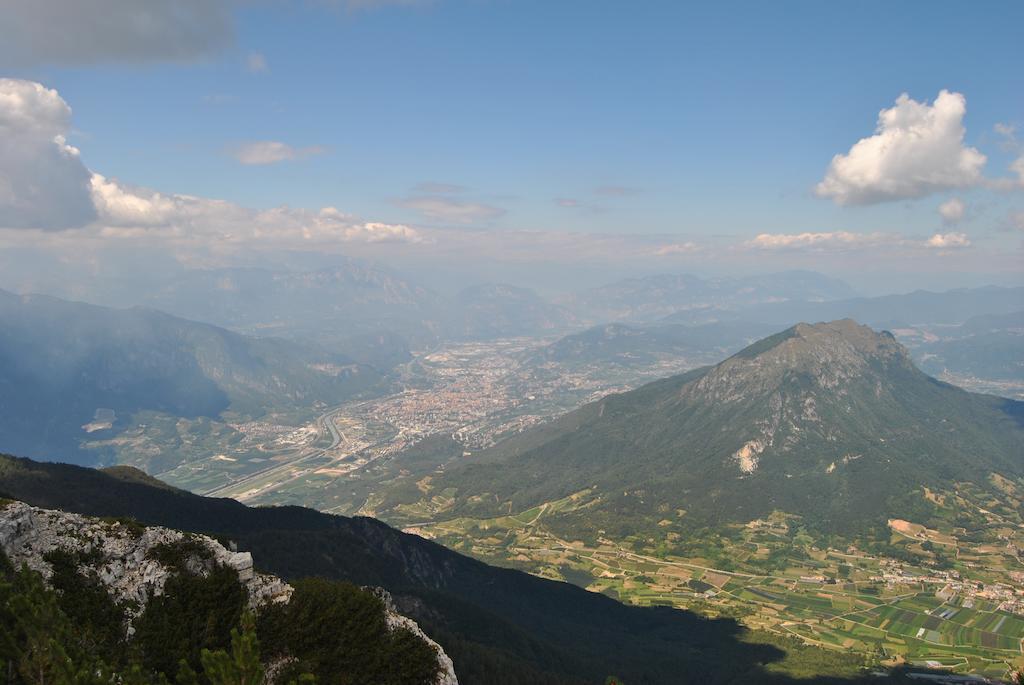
(87, 374)
(830, 422)
(193, 614)
(499, 626)
(196, 633)
(371, 652)
(175, 555)
(910, 594)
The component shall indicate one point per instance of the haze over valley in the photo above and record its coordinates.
(426, 342)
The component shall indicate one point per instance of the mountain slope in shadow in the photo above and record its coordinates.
(499, 625)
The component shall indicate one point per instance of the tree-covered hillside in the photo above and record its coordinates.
(832, 422)
(498, 625)
(62, 620)
(71, 371)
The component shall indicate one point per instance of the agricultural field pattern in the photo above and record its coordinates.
(926, 597)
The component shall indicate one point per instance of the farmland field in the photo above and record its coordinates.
(890, 610)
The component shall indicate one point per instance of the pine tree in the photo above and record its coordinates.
(242, 666)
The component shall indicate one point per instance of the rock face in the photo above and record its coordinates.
(126, 565)
(446, 675)
(125, 562)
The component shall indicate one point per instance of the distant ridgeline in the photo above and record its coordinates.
(499, 626)
(71, 371)
(831, 422)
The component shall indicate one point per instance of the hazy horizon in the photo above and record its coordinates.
(551, 146)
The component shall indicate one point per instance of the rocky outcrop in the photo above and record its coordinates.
(446, 674)
(124, 555)
(126, 558)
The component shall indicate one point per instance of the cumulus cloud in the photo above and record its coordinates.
(451, 210)
(952, 211)
(842, 241)
(44, 185)
(677, 249)
(1004, 129)
(271, 152)
(139, 207)
(821, 241)
(256, 63)
(40, 32)
(43, 182)
(129, 212)
(1017, 167)
(917, 149)
(948, 240)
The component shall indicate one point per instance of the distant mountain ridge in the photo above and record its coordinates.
(351, 300)
(497, 310)
(920, 306)
(831, 421)
(988, 346)
(627, 345)
(650, 298)
(68, 370)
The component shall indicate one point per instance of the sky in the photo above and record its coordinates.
(546, 143)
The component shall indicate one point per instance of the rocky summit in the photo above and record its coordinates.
(829, 421)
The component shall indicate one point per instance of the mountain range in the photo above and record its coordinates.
(351, 298)
(921, 306)
(650, 298)
(831, 422)
(70, 370)
(988, 347)
(640, 345)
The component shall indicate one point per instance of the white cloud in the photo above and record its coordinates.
(35, 32)
(948, 240)
(138, 213)
(43, 182)
(677, 249)
(448, 209)
(952, 211)
(272, 151)
(44, 185)
(566, 202)
(820, 241)
(256, 63)
(844, 241)
(917, 149)
(120, 206)
(1007, 130)
(1017, 167)
(1008, 133)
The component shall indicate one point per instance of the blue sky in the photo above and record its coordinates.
(706, 123)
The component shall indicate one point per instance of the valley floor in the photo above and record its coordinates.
(967, 617)
(965, 614)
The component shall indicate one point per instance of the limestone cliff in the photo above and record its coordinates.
(126, 558)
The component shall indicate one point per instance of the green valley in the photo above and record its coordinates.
(941, 598)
